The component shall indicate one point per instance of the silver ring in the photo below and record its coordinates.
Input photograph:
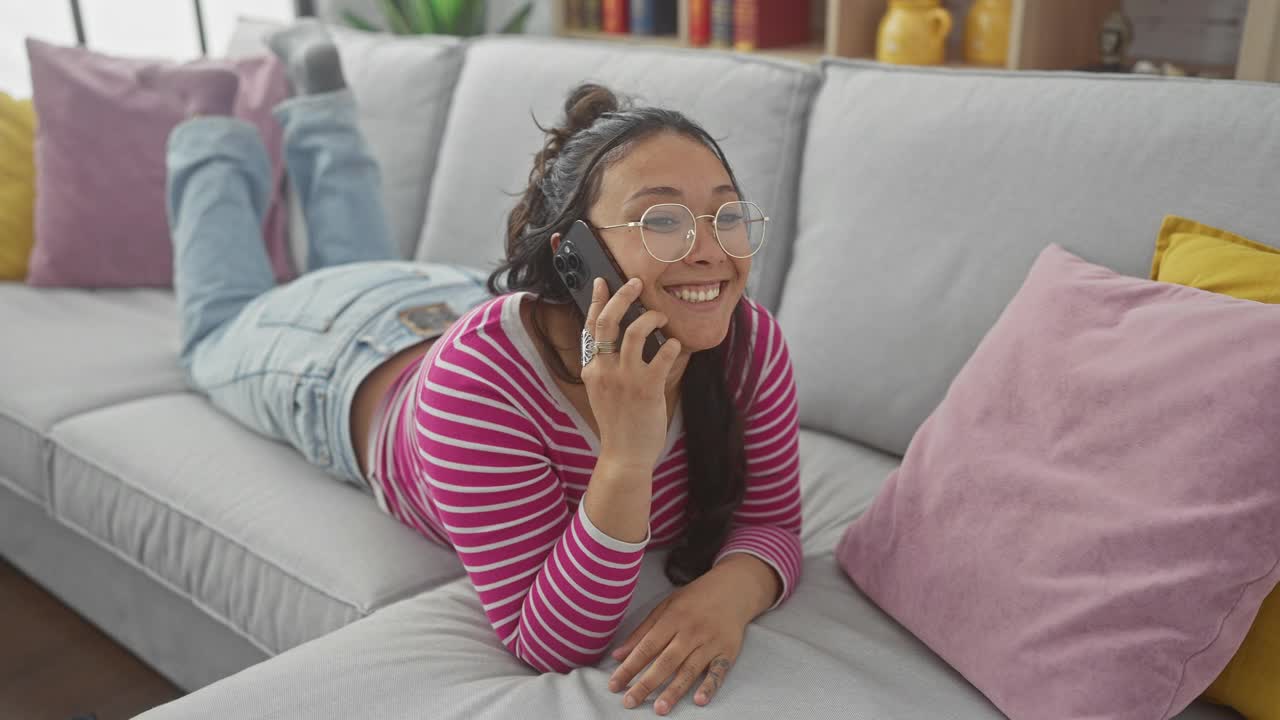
(592, 347)
(588, 347)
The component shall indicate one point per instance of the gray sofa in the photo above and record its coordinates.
(907, 205)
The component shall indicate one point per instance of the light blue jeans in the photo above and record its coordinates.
(286, 361)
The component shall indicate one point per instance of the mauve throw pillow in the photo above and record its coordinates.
(100, 166)
(1087, 524)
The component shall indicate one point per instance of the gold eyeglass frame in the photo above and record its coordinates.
(693, 241)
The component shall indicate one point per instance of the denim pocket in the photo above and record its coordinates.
(310, 416)
(315, 301)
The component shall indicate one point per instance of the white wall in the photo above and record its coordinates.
(49, 21)
(220, 18)
(140, 28)
(135, 28)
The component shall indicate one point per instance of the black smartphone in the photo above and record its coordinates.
(581, 258)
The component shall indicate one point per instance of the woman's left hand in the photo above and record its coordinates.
(698, 628)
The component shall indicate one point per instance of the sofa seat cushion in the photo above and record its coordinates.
(264, 542)
(754, 107)
(68, 351)
(827, 653)
(838, 480)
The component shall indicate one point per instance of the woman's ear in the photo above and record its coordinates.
(555, 242)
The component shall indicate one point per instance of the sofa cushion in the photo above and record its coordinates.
(838, 480)
(1209, 258)
(754, 107)
(67, 351)
(841, 656)
(827, 653)
(269, 545)
(403, 87)
(927, 193)
(17, 185)
(161, 627)
(100, 207)
(1096, 491)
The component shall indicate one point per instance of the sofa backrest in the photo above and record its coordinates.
(755, 107)
(925, 195)
(403, 87)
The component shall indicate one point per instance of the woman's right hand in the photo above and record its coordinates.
(628, 395)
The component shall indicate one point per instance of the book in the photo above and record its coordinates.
(771, 23)
(574, 14)
(614, 16)
(653, 17)
(699, 22)
(591, 13)
(722, 23)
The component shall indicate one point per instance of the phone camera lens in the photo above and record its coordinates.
(572, 281)
(559, 263)
(574, 261)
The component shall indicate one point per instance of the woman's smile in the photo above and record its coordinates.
(699, 297)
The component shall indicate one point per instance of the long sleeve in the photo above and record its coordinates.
(554, 587)
(767, 524)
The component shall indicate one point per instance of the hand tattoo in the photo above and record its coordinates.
(719, 667)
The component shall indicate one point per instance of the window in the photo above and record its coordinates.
(143, 28)
(165, 29)
(49, 21)
(220, 17)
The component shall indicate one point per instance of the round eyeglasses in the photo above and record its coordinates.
(668, 230)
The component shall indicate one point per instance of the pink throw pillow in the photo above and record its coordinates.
(1088, 523)
(100, 166)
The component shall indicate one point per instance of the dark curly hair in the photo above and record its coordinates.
(564, 183)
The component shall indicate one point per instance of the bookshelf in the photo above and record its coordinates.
(818, 44)
(662, 40)
(1044, 34)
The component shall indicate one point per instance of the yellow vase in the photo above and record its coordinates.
(986, 32)
(913, 32)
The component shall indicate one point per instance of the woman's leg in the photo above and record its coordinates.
(329, 162)
(218, 187)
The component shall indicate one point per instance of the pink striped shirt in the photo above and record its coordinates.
(487, 455)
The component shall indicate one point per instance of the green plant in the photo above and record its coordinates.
(437, 17)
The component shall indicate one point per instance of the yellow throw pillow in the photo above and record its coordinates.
(17, 186)
(1204, 257)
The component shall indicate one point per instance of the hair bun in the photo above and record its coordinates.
(585, 104)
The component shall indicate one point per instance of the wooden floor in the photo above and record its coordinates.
(55, 665)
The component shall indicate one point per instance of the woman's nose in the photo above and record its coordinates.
(706, 248)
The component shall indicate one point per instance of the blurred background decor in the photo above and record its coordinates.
(1237, 39)
(986, 32)
(913, 32)
(437, 17)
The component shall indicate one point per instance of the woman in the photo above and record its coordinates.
(550, 470)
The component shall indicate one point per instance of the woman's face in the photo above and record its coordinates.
(697, 294)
